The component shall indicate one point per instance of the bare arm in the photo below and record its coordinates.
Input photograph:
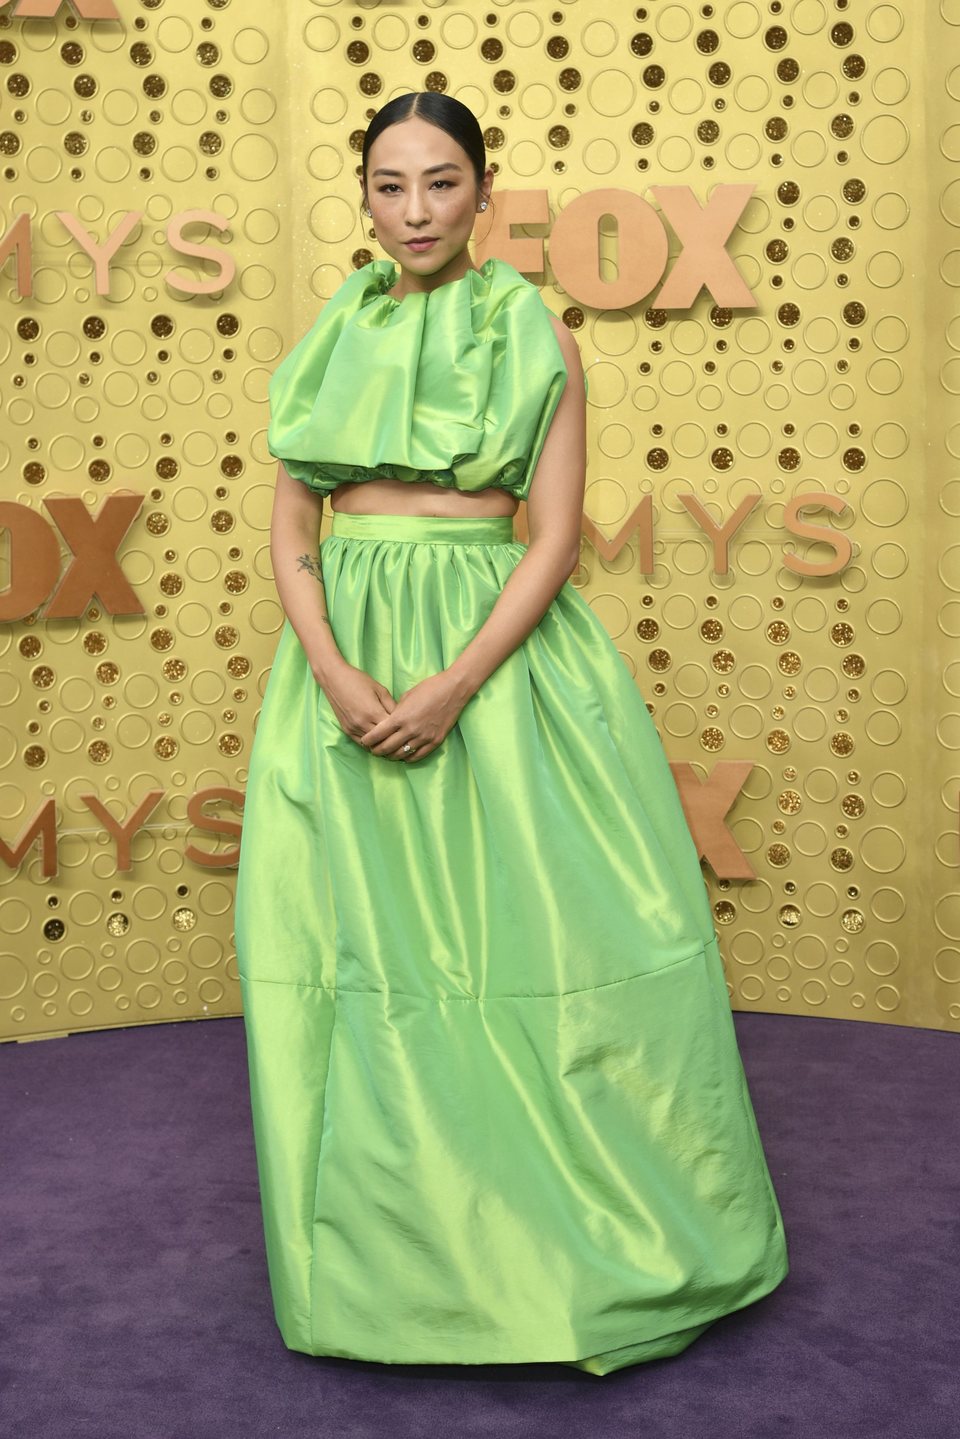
(295, 556)
(356, 698)
(554, 508)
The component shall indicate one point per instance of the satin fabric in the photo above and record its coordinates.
(456, 386)
(499, 1109)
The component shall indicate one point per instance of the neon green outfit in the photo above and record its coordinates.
(499, 1109)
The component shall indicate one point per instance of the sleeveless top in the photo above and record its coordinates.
(456, 386)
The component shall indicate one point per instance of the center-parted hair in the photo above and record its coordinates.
(444, 111)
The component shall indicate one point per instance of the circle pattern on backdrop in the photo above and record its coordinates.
(836, 690)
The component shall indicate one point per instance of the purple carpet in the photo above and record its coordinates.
(133, 1287)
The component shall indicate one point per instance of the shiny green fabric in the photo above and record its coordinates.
(499, 1109)
(456, 386)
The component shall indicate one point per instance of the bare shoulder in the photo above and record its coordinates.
(569, 346)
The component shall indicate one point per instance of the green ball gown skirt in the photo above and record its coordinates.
(499, 1109)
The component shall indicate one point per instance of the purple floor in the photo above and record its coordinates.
(133, 1288)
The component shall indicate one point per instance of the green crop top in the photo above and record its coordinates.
(455, 386)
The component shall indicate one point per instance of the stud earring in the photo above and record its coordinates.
(483, 204)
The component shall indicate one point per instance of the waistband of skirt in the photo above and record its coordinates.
(429, 529)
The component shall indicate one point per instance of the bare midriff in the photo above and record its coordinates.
(398, 497)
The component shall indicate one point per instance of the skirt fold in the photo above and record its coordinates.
(499, 1109)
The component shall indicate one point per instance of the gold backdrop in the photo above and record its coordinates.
(180, 198)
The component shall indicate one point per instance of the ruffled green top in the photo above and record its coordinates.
(456, 386)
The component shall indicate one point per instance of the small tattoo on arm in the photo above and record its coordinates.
(312, 563)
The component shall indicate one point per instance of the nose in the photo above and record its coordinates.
(418, 213)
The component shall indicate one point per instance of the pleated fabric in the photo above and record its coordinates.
(499, 1109)
(455, 386)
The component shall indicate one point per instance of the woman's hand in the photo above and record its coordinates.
(357, 699)
(423, 716)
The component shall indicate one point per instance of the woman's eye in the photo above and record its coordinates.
(384, 189)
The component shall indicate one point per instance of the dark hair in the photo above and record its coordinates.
(441, 110)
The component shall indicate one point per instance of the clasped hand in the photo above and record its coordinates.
(422, 716)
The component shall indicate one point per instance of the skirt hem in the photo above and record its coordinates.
(657, 1346)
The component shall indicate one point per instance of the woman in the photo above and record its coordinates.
(499, 1110)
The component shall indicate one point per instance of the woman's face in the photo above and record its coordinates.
(420, 184)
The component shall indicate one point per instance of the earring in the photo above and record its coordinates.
(483, 204)
(366, 210)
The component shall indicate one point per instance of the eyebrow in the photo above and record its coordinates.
(432, 170)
